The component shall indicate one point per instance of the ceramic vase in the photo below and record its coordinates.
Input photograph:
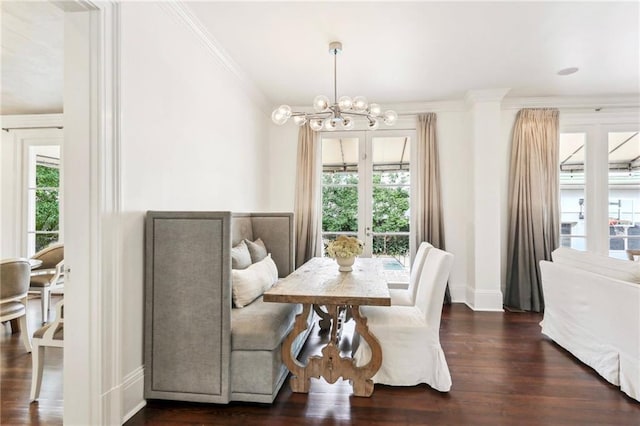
(345, 263)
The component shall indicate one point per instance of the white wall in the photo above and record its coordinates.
(191, 139)
(455, 172)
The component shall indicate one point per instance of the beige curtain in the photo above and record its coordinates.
(307, 198)
(429, 226)
(533, 205)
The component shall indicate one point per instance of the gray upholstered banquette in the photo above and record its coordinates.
(197, 346)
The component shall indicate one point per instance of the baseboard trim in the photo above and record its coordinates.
(133, 394)
(484, 300)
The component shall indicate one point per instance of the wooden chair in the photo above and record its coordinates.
(51, 335)
(49, 276)
(410, 335)
(14, 280)
(633, 254)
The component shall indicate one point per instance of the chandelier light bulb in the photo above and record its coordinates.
(360, 103)
(347, 123)
(300, 120)
(316, 124)
(390, 117)
(345, 103)
(375, 110)
(281, 114)
(331, 123)
(321, 103)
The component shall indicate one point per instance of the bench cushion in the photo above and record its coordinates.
(261, 325)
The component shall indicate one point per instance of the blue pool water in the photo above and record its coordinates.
(393, 265)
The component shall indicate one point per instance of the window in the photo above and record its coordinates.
(624, 192)
(366, 191)
(43, 195)
(572, 191)
(600, 184)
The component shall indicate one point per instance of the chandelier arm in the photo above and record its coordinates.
(361, 114)
(312, 115)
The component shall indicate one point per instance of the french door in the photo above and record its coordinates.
(366, 190)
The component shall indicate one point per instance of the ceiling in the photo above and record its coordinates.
(31, 61)
(393, 53)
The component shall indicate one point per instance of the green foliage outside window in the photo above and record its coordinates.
(47, 205)
(390, 208)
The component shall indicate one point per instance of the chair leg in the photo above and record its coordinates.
(45, 299)
(25, 332)
(37, 365)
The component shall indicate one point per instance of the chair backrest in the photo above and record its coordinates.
(14, 278)
(50, 256)
(433, 281)
(416, 268)
(633, 255)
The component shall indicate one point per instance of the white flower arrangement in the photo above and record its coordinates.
(345, 246)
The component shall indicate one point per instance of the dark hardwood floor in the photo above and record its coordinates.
(504, 372)
(15, 379)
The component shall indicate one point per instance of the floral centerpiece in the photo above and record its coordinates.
(345, 249)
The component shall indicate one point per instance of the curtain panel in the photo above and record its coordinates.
(429, 224)
(307, 207)
(534, 216)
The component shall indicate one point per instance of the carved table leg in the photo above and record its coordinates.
(299, 381)
(331, 365)
(362, 383)
(325, 318)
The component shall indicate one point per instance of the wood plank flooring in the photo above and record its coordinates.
(504, 372)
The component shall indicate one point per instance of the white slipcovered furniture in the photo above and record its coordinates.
(592, 309)
(410, 335)
(407, 296)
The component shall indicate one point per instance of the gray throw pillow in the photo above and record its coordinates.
(257, 250)
(240, 256)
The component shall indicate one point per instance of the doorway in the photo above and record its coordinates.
(366, 190)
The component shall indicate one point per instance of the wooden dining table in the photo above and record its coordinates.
(319, 283)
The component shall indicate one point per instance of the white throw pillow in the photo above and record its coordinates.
(249, 284)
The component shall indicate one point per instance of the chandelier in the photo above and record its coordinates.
(337, 115)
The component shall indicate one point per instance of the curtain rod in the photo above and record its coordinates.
(6, 129)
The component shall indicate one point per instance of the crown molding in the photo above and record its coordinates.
(19, 121)
(485, 95)
(187, 18)
(573, 102)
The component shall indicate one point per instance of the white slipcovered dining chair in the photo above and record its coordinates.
(14, 284)
(49, 276)
(407, 297)
(410, 335)
(51, 335)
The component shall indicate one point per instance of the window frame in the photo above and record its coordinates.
(365, 183)
(30, 139)
(596, 126)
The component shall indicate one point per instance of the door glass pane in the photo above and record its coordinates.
(572, 191)
(391, 198)
(340, 179)
(44, 197)
(624, 192)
